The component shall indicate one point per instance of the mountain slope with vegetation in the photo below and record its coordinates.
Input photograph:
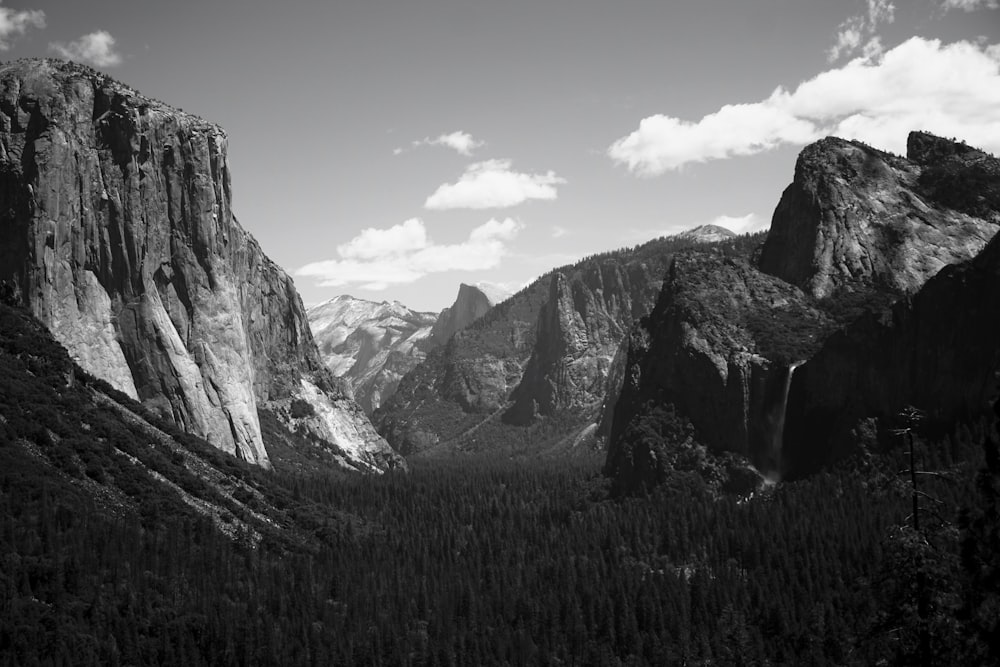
(781, 361)
(532, 374)
(117, 230)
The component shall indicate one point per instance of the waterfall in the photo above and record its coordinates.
(778, 432)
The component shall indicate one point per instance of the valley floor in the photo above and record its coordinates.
(494, 563)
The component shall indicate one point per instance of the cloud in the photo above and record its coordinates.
(862, 28)
(15, 22)
(952, 90)
(492, 184)
(403, 253)
(461, 142)
(970, 5)
(96, 48)
(373, 243)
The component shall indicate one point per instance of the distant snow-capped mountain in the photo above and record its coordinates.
(373, 344)
(370, 344)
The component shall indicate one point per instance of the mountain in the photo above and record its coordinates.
(532, 373)
(101, 453)
(117, 230)
(370, 345)
(472, 302)
(777, 361)
(856, 219)
(707, 233)
(938, 351)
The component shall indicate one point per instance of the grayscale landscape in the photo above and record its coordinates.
(526, 333)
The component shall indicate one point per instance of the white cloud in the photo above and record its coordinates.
(559, 232)
(461, 142)
(403, 253)
(372, 243)
(15, 22)
(951, 90)
(458, 141)
(492, 184)
(862, 28)
(96, 48)
(970, 5)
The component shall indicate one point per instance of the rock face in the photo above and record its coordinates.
(938, 351)
(535, 369)
(116, 226)
(370, 345)
(579, 329)
(857, 219)
(717, 350)
(738, 360)
(472, 302)
(707, 234)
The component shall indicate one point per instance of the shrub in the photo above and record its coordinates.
(302, 409)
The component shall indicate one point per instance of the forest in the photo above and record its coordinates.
(123, 544)
(502, 563)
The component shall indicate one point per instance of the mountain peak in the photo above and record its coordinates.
(707, 234)
(856, 218)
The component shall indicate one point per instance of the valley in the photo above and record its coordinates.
(696, 449)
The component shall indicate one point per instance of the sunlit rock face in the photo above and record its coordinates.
(856, 218)
(707, 234)
(116, 226)
(371, 345)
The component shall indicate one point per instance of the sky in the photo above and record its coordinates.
(393, 149)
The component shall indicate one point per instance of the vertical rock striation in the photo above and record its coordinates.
(116, 226)
(705, 363)
(579, 330)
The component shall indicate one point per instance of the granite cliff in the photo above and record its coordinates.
(938, 351)
(533, 373)
(370, 345)
(857, 219)
(471, 303)
(580, 326)
(117, 229)
(717, 350)
(719, 363)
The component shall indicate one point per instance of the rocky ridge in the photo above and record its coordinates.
(707, 233)
(472, 302)
(937, 351)
(856, 218)
(370, 345)
(533, 372)
(117, 230)
(719, 363)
